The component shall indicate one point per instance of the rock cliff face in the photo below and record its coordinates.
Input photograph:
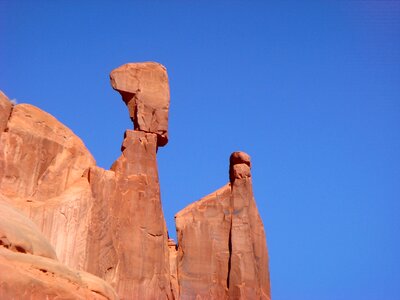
(222, 252)
(70, 229)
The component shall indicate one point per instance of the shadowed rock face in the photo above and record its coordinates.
(62, 216)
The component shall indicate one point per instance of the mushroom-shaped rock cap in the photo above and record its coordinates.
(145, 90)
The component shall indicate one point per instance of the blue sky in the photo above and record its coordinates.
(310, 89)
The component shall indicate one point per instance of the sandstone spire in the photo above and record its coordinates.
(249, 272)
(128, 230)
(222, 251)
(62, 216)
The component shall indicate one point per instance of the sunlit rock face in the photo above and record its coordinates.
(70, 229)
(127, 230)
(145, 90)
(25, 276)
(29, 266)
(222, 252)
(41, 168)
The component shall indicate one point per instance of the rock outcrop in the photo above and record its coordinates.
(222, 252)
(70, 229)
(145, 90)
(25, 276)
(29, 266)
(128, 227)
(41, 168)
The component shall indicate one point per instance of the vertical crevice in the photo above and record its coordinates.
(230, 254)
(230, 238)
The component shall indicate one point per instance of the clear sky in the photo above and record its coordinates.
(310, 89)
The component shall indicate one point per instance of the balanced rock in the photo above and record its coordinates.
(62, 216)
(145, 90)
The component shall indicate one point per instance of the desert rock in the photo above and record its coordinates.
(145, 90)
(39, 156)
(139, 227)
(5, 111)
(41, 168)
(62, 216)
(25, 276)
(222, 252)
(18, 233)
(203, 230)
(249, 272)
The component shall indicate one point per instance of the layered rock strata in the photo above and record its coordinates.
(62, 216)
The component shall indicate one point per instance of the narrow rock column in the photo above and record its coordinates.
(173, 269)
(140, 236)
(249, 273)
(140, 233)
(222, 251)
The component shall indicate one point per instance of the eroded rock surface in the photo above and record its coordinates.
(61, 215)
(25, 276)
(222, 252)
(134, 246)
(5, 111)
(19, 234)
(41, 167)
(39, 157)
(173, 268)
(249, 272)
(145, 90)
(29, 266)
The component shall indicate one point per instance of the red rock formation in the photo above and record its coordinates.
(173, 269)
(134, 247)
(203, 246)
(222, 252)
(41, 167)
(5, 111)
(29, 267)
(25, 276)
(19, 234)
(249, 273)
(145, 90)
(110, 222)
